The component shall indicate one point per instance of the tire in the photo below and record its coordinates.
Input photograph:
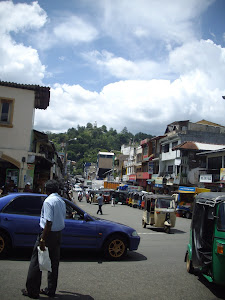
(143, 224)
(189, 265)
(167, 229)
(188, 215)
(5, 244)
(115, 248)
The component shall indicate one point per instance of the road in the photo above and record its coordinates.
(155, 271)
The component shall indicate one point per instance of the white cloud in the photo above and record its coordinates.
(122, 68)
(21, 16)
(171, 22)
(75, 30)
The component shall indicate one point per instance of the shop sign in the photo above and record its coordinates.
(206, 178)
(132, 177)
(159, 180)
(30, 174)
(222, 174)
(125, 177)
(150, 167)
(159, 185)
(186, 189)
(142, 175)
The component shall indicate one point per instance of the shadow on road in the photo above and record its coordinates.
(172, 230)
(217, 290)
(69, 255)
(64, 295)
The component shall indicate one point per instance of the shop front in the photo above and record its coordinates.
(142, 178)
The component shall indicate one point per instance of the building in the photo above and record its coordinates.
(174, 165)
(24, 152)
(105, 164)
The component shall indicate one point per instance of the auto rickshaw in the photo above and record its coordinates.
(121, 197)
(206, 248)
(135, 198)
(159, 211)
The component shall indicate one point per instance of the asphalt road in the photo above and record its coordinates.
(155, 271)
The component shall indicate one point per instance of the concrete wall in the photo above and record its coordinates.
(15, 141)
(208, 137)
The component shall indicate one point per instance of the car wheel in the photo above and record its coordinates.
(5, 244)
(189, 265)
(115, 248)
(143, 224)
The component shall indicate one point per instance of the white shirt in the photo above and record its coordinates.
(53, 210)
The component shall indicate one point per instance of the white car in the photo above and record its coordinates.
(77, 189)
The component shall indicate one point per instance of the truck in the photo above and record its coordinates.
(111, 185)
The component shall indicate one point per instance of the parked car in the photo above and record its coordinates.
(19, 227)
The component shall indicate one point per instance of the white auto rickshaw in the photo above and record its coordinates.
(159, 211)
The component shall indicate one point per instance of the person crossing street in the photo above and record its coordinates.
(100, 203)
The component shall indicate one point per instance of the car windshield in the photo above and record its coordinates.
(165, 203)
(221, 220)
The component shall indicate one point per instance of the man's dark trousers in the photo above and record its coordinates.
(99, 209)
(33, 283)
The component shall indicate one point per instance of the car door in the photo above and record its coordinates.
(21, 219)
(78, 233)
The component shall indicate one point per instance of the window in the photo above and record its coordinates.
(215, 162)
(145, 150)
(166, 148)
(25, 205)
(6, 112)
(170, 169)
(221, 220)
(174, 144)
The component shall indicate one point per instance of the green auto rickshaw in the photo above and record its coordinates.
(206, 248)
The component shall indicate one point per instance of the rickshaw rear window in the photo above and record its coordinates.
(221, 220)
(164, 203)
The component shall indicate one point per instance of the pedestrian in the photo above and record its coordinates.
(113, 201)
(100, 203)
(52, 223)
(27, 188)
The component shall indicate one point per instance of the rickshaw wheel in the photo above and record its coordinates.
(143, 224)
(189, 265)
(115, 247)
(167, 229)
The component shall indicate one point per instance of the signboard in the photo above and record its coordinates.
(150, 167)
(30, 174)
(222, 174)
(132, 177)
(142, 175)
(186, 189)
(158, 181)
(206, 178)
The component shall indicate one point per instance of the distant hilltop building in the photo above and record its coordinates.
(105, 164)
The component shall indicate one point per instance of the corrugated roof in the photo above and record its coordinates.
(42, 94)
(205, 122)
(199, 146)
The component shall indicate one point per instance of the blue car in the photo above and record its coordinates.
(19, 227)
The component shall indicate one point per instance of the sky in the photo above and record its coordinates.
(140, 64)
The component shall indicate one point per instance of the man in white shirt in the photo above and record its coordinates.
(52, 223)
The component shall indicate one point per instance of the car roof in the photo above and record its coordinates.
(210, 198)
(6, 199)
